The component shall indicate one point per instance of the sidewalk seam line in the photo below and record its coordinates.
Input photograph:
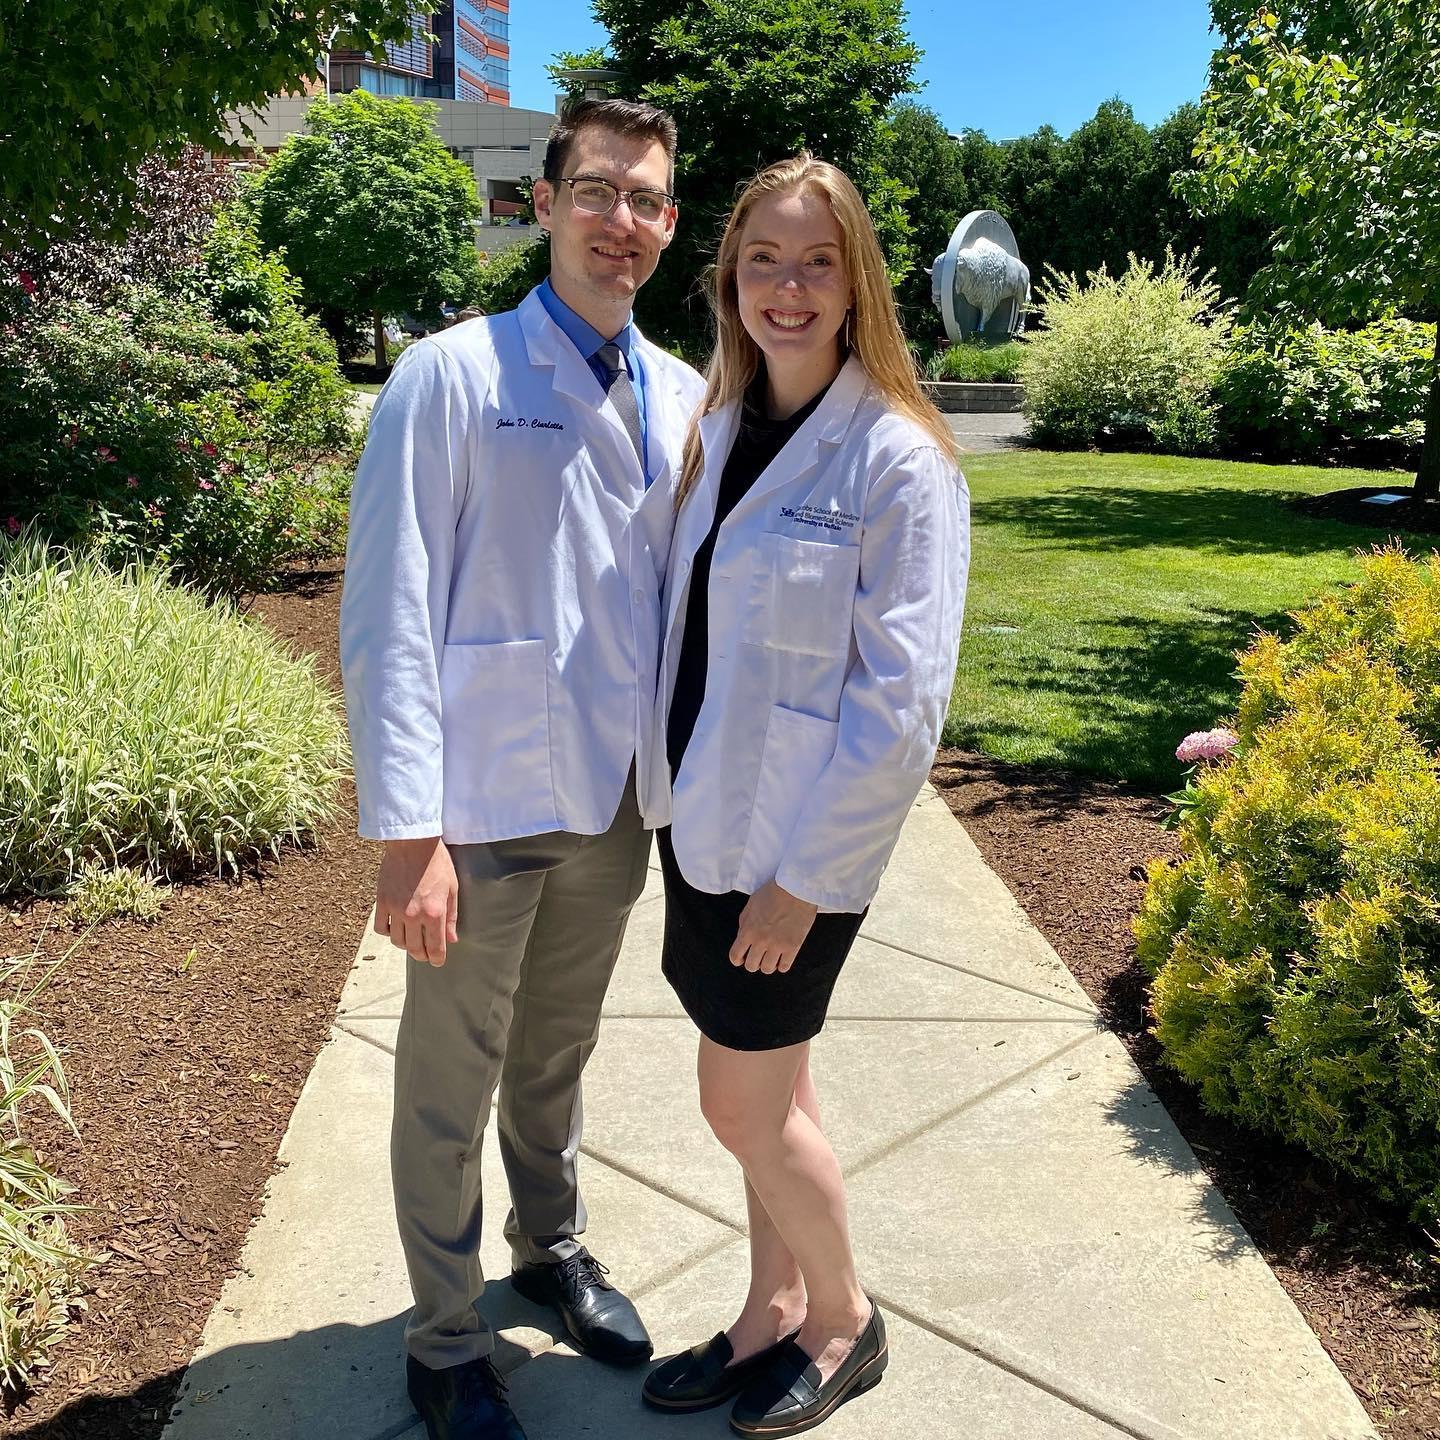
(972, 1347)
(344, 1029)
(977, 975)
(834, 1019)
(891, 1147)
(631, 1174)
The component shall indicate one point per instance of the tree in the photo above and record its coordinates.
(93, 87)
(1344, 151)
(749, 82)
(373, 213)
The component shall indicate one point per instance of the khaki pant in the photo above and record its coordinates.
(516, 1003)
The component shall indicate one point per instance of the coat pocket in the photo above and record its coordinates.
(496, 724)
(802, 597)
(797, 748)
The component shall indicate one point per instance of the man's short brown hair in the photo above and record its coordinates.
(631, 118)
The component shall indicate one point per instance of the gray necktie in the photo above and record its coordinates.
(622, 394)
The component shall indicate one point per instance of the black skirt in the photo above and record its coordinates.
(731, 1005)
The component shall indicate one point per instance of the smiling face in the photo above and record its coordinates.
(791, 281)
(598, 262)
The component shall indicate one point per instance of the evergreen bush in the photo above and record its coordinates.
(1127, 360)
(1295, 946)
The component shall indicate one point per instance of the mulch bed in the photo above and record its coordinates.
(1407, 516)
(186, 1043)
(1073, 853)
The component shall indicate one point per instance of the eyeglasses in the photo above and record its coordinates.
(600, 197)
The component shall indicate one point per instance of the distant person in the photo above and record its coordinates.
(815, 591)
(499, 633)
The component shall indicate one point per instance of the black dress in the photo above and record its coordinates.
(732, 1006)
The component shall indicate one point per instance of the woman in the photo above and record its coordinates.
(813, 612)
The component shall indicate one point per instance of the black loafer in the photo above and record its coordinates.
(789, 1397)
(599, 1319)
(462, 1402)
(703, 1376)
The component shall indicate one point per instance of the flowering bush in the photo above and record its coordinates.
(201, 427)
(1300, 389)
(1295, 946)
(1126, 360)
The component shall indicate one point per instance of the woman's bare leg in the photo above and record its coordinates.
(752, 1101)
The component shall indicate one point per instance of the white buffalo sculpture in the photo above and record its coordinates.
(987, 275)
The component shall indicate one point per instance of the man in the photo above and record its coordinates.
(499, 638)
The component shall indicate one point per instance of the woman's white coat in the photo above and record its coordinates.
(836, 596)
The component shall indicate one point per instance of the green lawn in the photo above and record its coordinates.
(368, 387)
(1108, 595)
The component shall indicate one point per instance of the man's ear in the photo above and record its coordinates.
(670, 226)
(542, 197)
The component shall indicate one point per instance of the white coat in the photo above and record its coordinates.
(499, 631)
(836, 594)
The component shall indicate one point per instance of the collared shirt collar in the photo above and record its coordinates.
(582, 334)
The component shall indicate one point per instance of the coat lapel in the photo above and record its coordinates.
(548, 346)
(814, 442)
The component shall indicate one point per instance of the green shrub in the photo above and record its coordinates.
(147, 727)
(977, 363)
(1296, 944)
(1126, 360)
(41, 1273)
(1298, 390)
(509, 275)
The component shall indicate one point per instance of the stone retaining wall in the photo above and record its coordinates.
(960, 397)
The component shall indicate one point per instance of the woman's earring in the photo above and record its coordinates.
(849, 316)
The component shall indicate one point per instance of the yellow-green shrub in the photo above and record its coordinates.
(1295, 946)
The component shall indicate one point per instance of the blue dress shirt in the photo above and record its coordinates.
(587, 340)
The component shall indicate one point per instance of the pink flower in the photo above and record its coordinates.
(208, 449)
(207, 484)
(13, 525)
(69, 441)
(131, 482)
(228, 467)
(154, 511)
(27, 282)
(1206, 745)
(106, 454)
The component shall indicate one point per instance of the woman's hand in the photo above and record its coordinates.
(773, 927)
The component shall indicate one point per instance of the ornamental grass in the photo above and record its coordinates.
(41, 1272)
(142, 725)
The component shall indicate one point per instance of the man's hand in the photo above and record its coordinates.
(415, 899)
(773, 927)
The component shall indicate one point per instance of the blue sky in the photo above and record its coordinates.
(1006, 67)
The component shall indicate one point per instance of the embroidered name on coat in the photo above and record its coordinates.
(534, 424)
(821, 519)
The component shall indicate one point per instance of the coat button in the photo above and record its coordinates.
(639, 597)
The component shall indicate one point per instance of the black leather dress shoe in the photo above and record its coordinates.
(601, 1321)
(703, 1376)
(790, 1397)
(462, 1402)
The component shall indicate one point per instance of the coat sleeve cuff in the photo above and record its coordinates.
(401, 830)
(828, 902)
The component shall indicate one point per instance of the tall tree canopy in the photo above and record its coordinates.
(751, 81)
(92, 87)
(1343, 148)
(372, 211)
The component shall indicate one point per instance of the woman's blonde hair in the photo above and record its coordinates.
(874, 329)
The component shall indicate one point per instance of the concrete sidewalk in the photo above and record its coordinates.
(1053, 1261)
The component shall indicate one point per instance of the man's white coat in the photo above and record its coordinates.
(499, 658)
